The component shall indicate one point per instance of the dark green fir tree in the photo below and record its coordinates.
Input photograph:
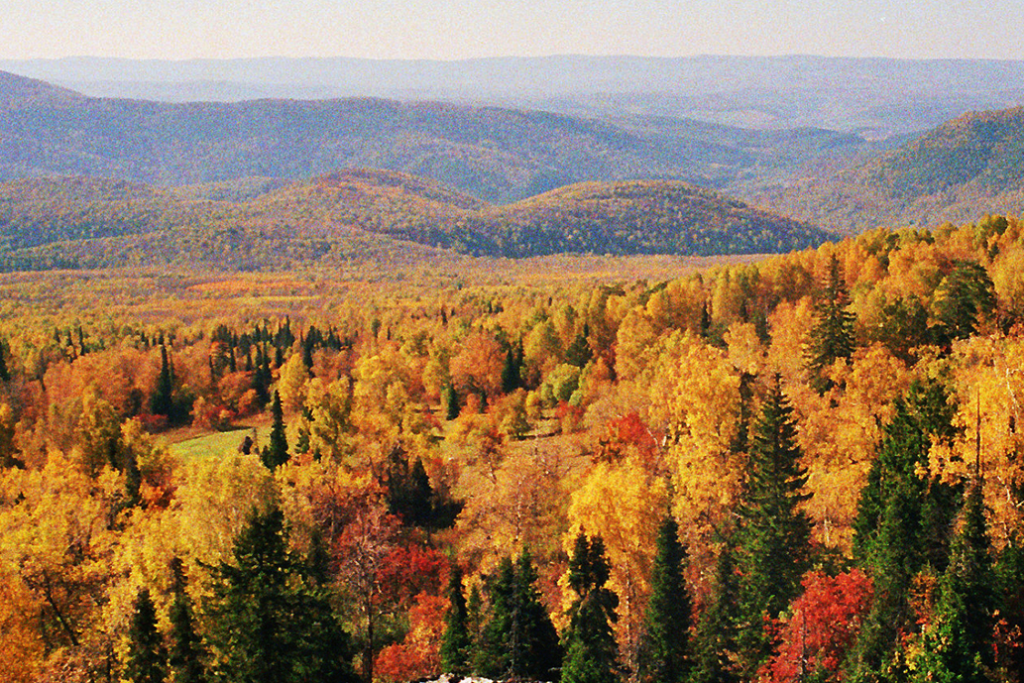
(665, 652)
(186, 654)
(714, 641)
(276, 452)
(957, 645)
(832, 336)
(591, 653)
(519, 641)
(773, 537)
(455, 642)
(269, 620)
(147, 656)
(904, 525)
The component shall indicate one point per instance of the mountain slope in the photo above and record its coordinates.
(79, 222)
(880, 97)
(967, 166)
(493, 153)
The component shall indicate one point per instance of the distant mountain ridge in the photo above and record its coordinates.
(875, 96)
(971, 165)
(497, 154)
(77, 222)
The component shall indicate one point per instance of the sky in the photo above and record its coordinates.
(465, 29)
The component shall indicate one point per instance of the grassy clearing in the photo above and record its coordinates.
(217, 443)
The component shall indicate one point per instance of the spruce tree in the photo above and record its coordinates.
(262, 377)
(147, 656)
(186, 651)
(591, 653)
(1010, 593)
(450, 402)
(276, 452)
(455, 642)
(162, 400)
(269, 621)
(773, 538)
(5, 374)
(519, 640)
(963, 298)
(957, 645)
(831, 337)
(714, 641)
(665, 656)
(904, 525)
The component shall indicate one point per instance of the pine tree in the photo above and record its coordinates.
(186, 651)
(1010, 591)
(269, 622)
(262, 377)
(5, 374)
(591, 652)
(162, 400)
(714, 641)
(276, 452)
(773, 538)
(455, 642)
(536, 653)
(964, 297)
(147, 656)
(519, 640)
(450, 402)
(957, 645)
(904, 524)
(831, 337)
(665, 656)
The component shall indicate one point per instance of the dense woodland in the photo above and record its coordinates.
(806, 467)
(256, 224)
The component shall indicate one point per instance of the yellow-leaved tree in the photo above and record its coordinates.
(624, 505)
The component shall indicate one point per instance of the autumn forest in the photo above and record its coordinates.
(290, 424)
(802, 465)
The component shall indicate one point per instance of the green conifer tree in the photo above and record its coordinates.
(519, 640)
(450, 402)
(186, 652)
(147, 656)
(276, 452)
(591, 653)
(714, 640)
(957, 645)
(832, 336)
(5, 373)
(455, 642)
(773, 538)
(665, 655)
(963, 298)
(162, 400)
(904, 524)
(269, 622)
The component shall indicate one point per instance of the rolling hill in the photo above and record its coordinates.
(967, 166)
(493, 153)
(876, 97)
(78, 222)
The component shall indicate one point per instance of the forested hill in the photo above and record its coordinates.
(946, 175)
(18, 92)
(493, 153)
(79, 222)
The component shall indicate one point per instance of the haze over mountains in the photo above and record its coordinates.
(876, 97)
(476, 174)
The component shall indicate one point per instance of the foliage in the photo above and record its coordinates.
(773, 537)
(665, 653)
(270, 620)
(591, 654)
(519, 640)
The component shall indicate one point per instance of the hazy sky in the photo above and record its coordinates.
(459, 29)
